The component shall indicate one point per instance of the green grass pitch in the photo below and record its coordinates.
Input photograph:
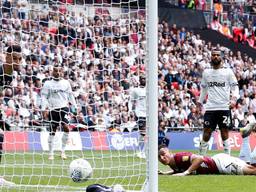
(34, 172)
(207, 183)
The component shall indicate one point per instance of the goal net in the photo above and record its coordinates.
(101, 47)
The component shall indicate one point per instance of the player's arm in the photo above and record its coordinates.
(196, 161)
(72, 100)
(71, 97)
(170, 172)
(132, 101)
(234, 88)
(44, 97)
(203, 90)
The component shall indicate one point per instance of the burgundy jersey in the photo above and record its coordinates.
(183, 162)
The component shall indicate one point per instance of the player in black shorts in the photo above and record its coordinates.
(220, 86)
(56, 97)
(137, 104)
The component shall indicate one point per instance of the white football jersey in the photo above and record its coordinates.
(218, 83)
(57, 94)
(138, 97)
(229, 165)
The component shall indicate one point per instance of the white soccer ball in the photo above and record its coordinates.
(80, 170)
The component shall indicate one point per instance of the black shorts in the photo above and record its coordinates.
(57, 116)
(3, 125)
(141, 123)
(222, 118)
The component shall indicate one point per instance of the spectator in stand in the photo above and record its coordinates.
(202, 4)
(218, 8)
(23, 9)
(191, 4)
(86, 55)
(182, 3)
(224, 30)
(215, 24)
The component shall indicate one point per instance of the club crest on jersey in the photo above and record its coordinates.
(216, 84)
(185, 158)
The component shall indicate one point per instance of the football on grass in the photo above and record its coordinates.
(80, 170)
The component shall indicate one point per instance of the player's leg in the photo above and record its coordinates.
(225, 135)
(142, 130)
(225, 125)
(209, 126)
(3, 127)
(253, 157)
(1, 143)
(245, 150)
(64, 123)
(54, 119)
(246, 131)
(204, 142)
(64, 140)
(1, 136)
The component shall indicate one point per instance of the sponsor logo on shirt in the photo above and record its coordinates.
(185, 158)
(216, 84)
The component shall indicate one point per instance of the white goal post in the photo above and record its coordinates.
(152, 94)
(103, 47)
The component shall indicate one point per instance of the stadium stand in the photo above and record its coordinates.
(83, 53)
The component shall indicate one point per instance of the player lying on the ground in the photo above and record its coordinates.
(186, 163)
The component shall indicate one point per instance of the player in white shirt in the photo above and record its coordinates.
(221, 87)
(137, 104)
(57, 96)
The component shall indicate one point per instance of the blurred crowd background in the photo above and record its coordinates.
(103, 56)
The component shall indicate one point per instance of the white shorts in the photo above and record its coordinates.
(229, 165)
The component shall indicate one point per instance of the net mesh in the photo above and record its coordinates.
(100, 46)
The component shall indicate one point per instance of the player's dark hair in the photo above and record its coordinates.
(162, 146)
(142, 80)
(216, 50)
(31, 58)
(14, 48)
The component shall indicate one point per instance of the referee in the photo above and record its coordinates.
(57, 96)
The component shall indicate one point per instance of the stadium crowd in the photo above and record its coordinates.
(234, 19)
(103, 57)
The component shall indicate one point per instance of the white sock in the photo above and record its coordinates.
(245, 150)
(226, 147)
(50, 144)
(203, 147)
(141, 143)
(253, 156)
(64, 140)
